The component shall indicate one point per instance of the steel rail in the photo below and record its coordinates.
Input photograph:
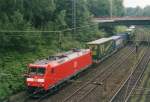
(89, 82)
(28, 97)
(117, 93)
(107, 76)
(106, 69)
(94, 83)
(146, 63)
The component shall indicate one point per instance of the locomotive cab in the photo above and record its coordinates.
(39, 71)
(36, 78)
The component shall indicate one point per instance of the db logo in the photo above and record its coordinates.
(75, 64)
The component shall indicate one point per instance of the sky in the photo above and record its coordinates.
(134, 3)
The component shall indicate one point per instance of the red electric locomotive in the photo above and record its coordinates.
(48, 73)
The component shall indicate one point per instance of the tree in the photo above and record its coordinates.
(103, 7)
(118, 8)
(137, 11)
(99, 7)
(146, 11)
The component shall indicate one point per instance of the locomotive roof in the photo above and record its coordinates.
(99, 41)
(41, 62)
(61, 57)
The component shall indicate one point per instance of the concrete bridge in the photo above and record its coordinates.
(128, 20)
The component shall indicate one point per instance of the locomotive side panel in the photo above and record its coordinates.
(68, 69)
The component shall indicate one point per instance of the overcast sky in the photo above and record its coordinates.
(134, 3)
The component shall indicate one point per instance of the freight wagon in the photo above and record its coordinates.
(101, 48)
(119, 41)
(125, 37)
(104, 47)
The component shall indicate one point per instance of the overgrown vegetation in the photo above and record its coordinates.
(17, 49)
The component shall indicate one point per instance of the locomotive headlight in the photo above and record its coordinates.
(29, 79)
(41, 80)
(35, 80)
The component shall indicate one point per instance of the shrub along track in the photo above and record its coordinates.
(88, 78)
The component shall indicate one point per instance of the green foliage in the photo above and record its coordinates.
(120, 29)
(137, 11)
(12, 67)
(17, 49)
(102, 7)
(134, 11)
(146, 11)
(99, 7)
(118, 8)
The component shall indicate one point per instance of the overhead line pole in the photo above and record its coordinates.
(111, 8)
(74, 15)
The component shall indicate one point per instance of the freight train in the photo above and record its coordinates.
(48, 73)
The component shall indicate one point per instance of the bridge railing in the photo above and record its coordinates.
(123, 18)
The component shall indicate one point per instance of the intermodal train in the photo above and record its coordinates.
(51, 72)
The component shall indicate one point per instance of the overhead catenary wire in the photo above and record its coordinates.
(74, 23)
(28, 31)
(46, 31)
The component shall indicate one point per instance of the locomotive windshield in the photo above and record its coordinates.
(37, 71)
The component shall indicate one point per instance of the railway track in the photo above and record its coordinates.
(90, 84)
(100, 79)
(125, 91)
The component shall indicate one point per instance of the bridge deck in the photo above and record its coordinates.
(123, 20)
